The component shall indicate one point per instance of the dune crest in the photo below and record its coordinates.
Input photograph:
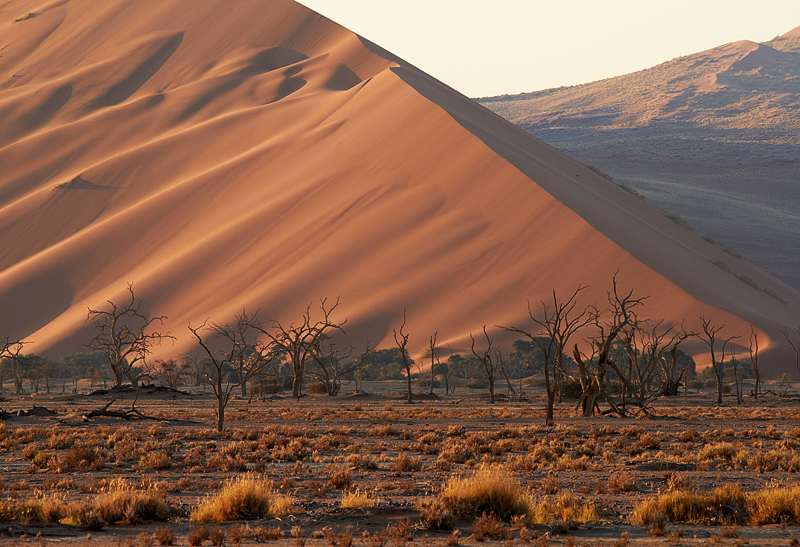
(263, 156)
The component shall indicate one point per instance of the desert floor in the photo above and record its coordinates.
(396, 455)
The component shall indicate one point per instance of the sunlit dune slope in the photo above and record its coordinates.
(254, 154)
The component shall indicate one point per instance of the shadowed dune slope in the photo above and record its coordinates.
(259, 155)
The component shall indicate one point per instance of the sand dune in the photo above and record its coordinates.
(263, 156)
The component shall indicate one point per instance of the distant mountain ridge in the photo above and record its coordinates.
(713, 137)
(736, 102)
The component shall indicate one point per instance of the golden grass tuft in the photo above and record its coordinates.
(774, 506)
(242, 498)
(357, 498)
(724, 505)
(489, 490)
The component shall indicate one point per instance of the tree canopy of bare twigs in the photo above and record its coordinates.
(233, 347)
(298, 342)
(124, 336)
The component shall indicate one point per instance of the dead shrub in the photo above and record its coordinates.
(154, 460)
(340, 479)
(405, 464)
(487, 527)
(550, 484)
(164, 535)
(435, 515)
(267, 533)
(400, 532)
(217, 536)
(621, 481)
(197, 535)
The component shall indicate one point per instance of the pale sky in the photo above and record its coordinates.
(496, 47)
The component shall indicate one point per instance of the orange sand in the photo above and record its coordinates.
(221, 155)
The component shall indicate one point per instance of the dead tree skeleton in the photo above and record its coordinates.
(122, 335)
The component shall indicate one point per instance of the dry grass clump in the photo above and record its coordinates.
(242, 498)
(121, 501)
(32, 511)
(567, 507)
(489, 490)
(774, 506)
(357, 498)
(724, 505)
(718, 451)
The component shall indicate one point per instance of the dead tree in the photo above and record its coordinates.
(298, 341)
(486, 360)
(171, 371)
(795, 347)
(401, 339)
(360, 361)
(556, 325)
(620, 316)
(501, 366)
(735, 365)
(754, 359)
(122, 335)
(331, 368)
(239, 349)
(445, 368)
(434, 349)
(670, 383)
(10, 350)
(709, 337)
